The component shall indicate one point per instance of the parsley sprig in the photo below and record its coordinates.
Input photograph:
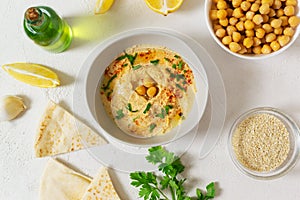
(153, 187)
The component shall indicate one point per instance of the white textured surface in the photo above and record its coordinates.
(272, 82)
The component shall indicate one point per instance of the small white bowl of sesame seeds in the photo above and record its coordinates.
(264, 143)
(253, 29)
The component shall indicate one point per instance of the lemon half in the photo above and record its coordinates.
(33, 74)
(164, 6)
(102, 6)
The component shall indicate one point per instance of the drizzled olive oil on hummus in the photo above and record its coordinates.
(148, 90)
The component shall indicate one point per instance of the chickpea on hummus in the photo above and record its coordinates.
(148, 90)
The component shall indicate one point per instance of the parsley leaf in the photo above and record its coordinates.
(136, 67)
(109, 82)
(131, 58)
(120, 114)
(155, 62)
(153, 187)
(129, 107)
(147, 108)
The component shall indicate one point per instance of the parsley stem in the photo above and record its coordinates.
(161, 192)
(172, 192)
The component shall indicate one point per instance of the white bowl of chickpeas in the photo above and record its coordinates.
(253, 29)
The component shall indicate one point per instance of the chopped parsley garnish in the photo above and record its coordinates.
(180, 65)
(136, 67)
(131, 58)
(180, 87)
(174, 66)
(152, 127)
(154, 62)
(147, 108)
(167, 59)
(162, 114)
(129, 107)
(179, 77)
(177, 56)
(167, 184)
(120, 114)
(109, 82)
(167, 108)
(125, 65)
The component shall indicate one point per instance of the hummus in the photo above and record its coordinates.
(148, 90)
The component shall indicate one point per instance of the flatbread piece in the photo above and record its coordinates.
(62, 183)
(101, 188)
(60, 132)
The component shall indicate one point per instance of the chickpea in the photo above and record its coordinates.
(220, 33)
(276, 23)
(141, 90)
(230, 30)
(227, 40)
(249, 15)
(270, 37)
(229, 12)
(237, 13)
(289, 10)
(243, 49)
(256, 41)
(277, 4)
(266, 49)
(221, 5)
(250, 33)
(254, 7)
(236, 3)
(240, 26)
(283, 40)
(257, 19)
(279, 12)
(265, 18)
(149, 84)
(213, 14)
(260, 33)
(289, 31)
(221, 14)
(268, 28)
(264, 9)
(275, 46)
(245, 5)
(234, 47)
(236, 36)
(248, 25)
(248, 42)
(233, 21)
(243, 19)
(256, 50)
(272, 12)
(284, 20)
(293, 21)
(278, 31)
(217, 26)
(291, 3)
(151, 92)
(223, 22)
(270, 2)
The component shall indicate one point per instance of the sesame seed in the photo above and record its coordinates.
(261, 142)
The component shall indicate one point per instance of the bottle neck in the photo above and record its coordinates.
(35, 18)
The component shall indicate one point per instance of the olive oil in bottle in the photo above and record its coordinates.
(47, 29)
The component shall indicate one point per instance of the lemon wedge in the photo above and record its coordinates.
(102, 6)
(164, 6)
(33, 74)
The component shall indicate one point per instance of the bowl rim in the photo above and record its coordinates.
(116, 38)
(291, 161)
(207, 7)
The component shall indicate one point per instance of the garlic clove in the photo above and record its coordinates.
(11, 107)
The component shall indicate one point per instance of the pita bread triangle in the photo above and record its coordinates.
(60, 132)
(62, 183)
(101, 187)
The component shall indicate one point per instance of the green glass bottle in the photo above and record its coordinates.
(47, 29)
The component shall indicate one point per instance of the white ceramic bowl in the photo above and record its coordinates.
(208, 4)
(107, 51)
